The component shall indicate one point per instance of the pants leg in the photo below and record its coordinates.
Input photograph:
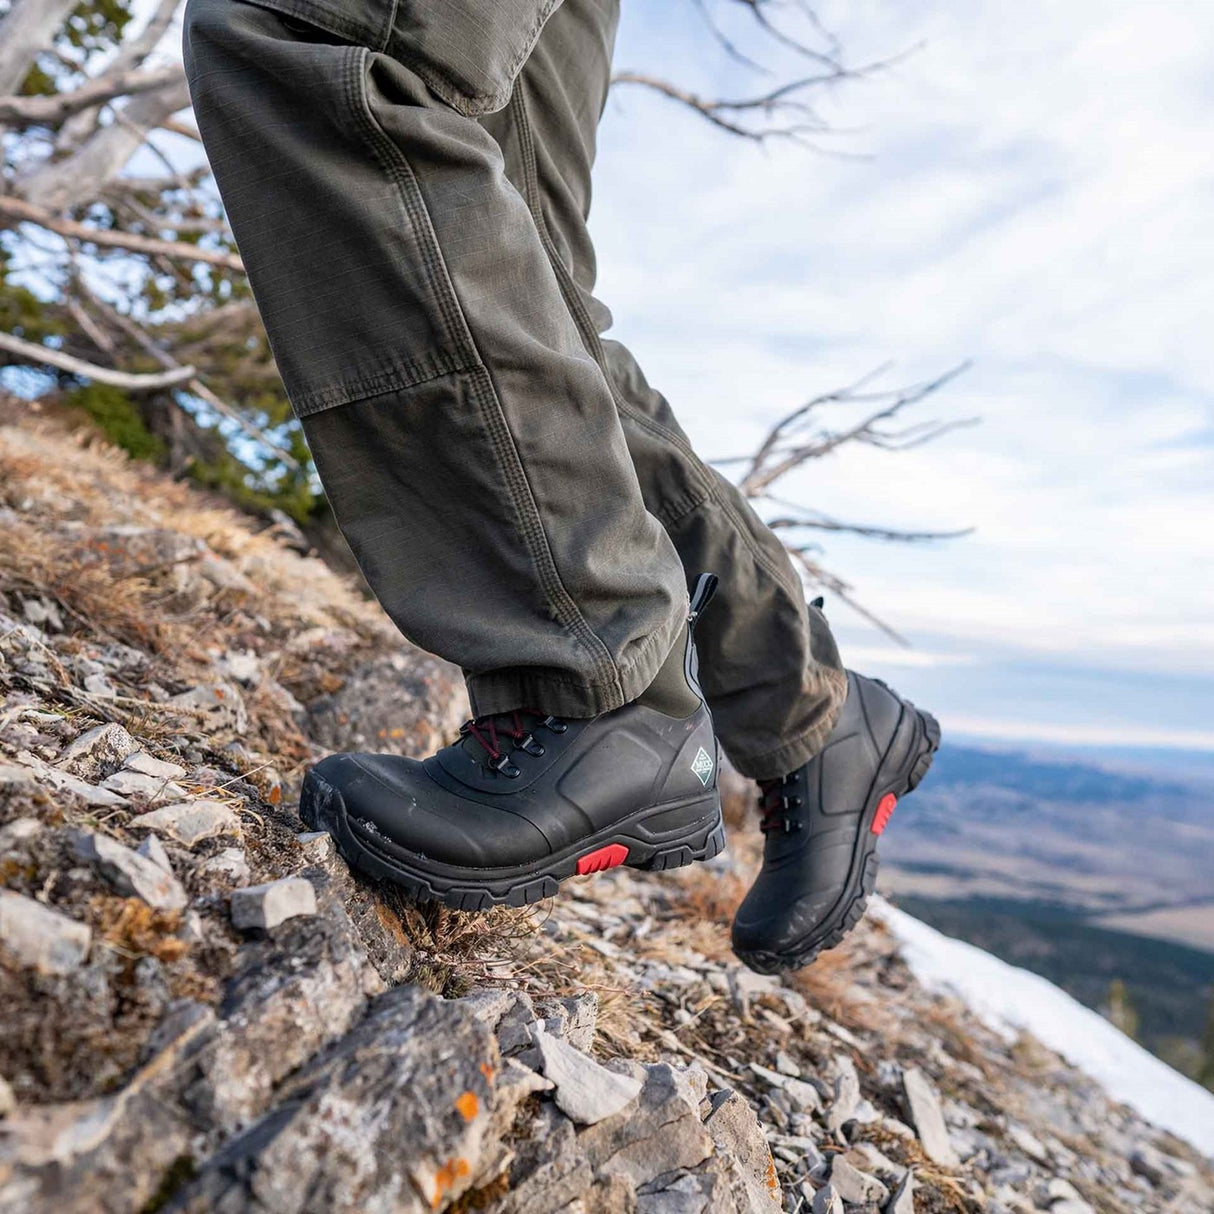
(768, 664)
(470, 445)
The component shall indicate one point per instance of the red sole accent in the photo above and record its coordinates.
(603, 857)
(885, 810)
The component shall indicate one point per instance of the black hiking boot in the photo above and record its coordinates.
(822, 823)
(523, 800)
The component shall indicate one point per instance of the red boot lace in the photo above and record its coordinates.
(774, 804)
(502, 733)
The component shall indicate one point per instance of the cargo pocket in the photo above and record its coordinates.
(469, 52)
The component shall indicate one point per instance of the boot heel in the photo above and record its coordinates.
(703, 840)
(931, 734)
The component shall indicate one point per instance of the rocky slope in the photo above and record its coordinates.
(204, 1010)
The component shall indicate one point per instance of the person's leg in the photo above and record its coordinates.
(768, 664)
(470, 447)
(833, 751)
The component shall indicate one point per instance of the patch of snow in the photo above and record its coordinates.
(1010, 999)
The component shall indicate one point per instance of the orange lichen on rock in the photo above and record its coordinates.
(445, 1178)
(468, 1105)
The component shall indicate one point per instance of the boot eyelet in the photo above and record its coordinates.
(555, 724)
(530, 746)
(506, 766)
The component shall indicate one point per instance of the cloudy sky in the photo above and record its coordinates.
(1031, 188)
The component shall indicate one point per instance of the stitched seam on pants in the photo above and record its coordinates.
(419, 371)
(594, 346)
(531, 525)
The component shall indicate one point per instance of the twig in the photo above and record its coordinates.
(33, 352)
(19, 211)
(47, 111)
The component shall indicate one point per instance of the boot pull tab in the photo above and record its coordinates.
(701, 595)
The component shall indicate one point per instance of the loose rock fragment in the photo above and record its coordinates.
(266, 906)
(189, 822)
(149, 765)
(856, 1187)
(317, 845)
(103, 745)
(65, 781)
(130, 873)
(928, 1120)
(827, 1201)
(585, 1091)
(8, 1102)
(135, 784)
(847, 1094)
(153, 849)
(231, 864)
(903, 1200)
(804, 1096)
(41, 938)
(18, 831)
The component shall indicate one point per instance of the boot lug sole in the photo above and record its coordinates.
(322, 808)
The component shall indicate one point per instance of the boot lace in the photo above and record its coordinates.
(774, 805)
(502, 734)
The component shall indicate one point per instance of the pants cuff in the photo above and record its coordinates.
(554, 692)
(790, 755)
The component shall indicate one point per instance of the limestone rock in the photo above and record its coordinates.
(231, 864)
(847, 1094)
(827, 1201)
(129, 872)
(928, 1119)
(804, 1096)
(295, 992)
(39, 937)
(392, 1118)
(18, 831)
(856, 1187)
(317, 846)
(153, 850)
(903, 1200)
(737, 1134)
(659, 1133)
(189, 822)
(97, 748)
(266, 906)
(136, 784)
(65, 781)
(586, 1092)
(221, 705)
(149, 765)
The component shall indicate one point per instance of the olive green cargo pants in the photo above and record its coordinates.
(408, 182)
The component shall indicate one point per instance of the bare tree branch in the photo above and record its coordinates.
(80, 176)
(47, 111)
(837, 586)
(27, 29)
(729, 114)
(194, 384)
(15, 210)
(823, 522)
(33, 352)
(799, 437)
(780, 453)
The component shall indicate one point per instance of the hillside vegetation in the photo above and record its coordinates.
(204, 1010)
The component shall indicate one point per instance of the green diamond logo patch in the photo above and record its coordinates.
(702, 765)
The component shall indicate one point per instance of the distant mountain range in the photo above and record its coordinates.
(1083, 872)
